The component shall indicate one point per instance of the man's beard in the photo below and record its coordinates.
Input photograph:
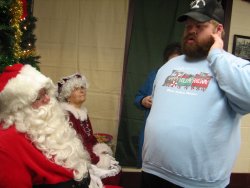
(50, 132)
(198, 49)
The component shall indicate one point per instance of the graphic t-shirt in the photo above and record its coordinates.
(192, 133)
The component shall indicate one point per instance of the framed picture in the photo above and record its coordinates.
(241, 46)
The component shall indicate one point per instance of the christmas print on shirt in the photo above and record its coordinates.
(180, 79)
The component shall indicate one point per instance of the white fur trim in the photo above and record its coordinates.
(95, 181)
(104, 152)
(104, 173)
(104, 161)
(78, 113)
(23, 89)
(101, 148)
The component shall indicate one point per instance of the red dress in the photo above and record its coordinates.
(85, 131)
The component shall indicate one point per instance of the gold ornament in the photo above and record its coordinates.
(16, 12)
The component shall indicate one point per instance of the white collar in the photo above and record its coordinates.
(79, 113)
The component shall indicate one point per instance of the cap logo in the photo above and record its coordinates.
(198, 4)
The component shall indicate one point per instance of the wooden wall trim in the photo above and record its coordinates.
(133, 180)
(127, 44)
(227, 5)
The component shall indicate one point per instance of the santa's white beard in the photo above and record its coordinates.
(51, 133)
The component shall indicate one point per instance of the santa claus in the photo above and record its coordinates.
(38, 148)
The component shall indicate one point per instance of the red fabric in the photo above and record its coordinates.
(24, 5)
(112, 180)
(9, 73)
(84, 129)
(112, 186)
(23, 165)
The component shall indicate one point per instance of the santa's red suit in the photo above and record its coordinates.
(38, 148)
(23, 165)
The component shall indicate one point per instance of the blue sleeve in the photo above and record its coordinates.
(233, 76)
(145, 90)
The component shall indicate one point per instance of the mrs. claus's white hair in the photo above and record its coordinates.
(67, 84)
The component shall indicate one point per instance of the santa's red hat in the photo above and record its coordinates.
(19, 87)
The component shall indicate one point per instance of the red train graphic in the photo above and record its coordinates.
(181, 79)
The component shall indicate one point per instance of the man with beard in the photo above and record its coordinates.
(38, 148)
(192, 134)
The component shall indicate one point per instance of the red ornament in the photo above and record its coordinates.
(24, 5)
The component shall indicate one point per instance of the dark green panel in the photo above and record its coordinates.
(154, 26)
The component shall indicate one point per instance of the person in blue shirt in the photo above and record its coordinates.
(192, 133)
(143, 99)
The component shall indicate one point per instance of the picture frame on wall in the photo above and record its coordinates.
(241, 46)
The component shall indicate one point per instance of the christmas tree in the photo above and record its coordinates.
(17, 41)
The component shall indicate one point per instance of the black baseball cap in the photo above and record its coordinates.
(204, 10)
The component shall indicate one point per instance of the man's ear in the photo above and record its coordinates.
(219, 28)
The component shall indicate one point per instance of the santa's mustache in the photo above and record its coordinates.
(45, 112)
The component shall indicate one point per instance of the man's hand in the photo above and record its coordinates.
(218, 42)
(147, 102)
